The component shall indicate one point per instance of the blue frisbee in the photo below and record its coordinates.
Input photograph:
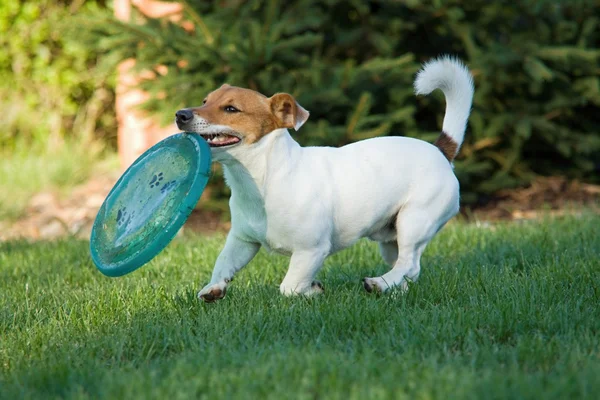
(150, 203)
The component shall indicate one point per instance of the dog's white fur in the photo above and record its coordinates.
(454, 79)
(309, 202)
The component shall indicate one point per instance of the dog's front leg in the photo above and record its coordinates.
(304, 265)
(236, 254)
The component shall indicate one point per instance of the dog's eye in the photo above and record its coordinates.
(231, 109)
(204, 101)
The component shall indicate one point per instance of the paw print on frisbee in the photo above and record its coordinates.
(150, 203)
(156, 180)
(168, 186)
(124, 217)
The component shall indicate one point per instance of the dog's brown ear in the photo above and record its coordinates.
(288, 112)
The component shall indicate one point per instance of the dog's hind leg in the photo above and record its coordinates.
(415, 228)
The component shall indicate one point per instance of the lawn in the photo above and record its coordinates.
(501, 312)
(31, 168)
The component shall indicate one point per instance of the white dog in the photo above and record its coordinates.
(309, 202)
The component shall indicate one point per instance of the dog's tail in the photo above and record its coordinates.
(454, 79)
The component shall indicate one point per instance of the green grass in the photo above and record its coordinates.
(27, 170)
(506, 312)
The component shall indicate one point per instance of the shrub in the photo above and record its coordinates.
(49, 87)
(352, 62)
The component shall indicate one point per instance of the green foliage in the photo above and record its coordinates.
(25, 172)
(352, 63)
(49, 87)
(503, 313)
(55, 102)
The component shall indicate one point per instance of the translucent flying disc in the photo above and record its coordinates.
(150, 203)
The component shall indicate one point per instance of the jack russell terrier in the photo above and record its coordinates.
(310, 202)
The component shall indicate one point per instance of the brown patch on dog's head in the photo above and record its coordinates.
(287, 111)
(447, 146)
(249, 113)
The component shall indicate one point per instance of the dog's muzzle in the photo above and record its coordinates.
(182, 117)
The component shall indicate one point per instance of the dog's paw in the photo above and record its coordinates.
(379, 285)
(315, 288)
(375, 285)
(213, 292)
(371, 285)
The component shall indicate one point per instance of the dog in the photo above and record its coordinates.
(310, 202)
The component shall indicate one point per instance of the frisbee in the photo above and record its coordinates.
(150, 203)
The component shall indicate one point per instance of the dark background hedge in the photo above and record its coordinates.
(351, 63)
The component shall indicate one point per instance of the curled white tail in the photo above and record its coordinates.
(453, 78)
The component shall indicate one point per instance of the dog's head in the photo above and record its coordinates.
(234, 117)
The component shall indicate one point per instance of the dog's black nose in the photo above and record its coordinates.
(183, 116)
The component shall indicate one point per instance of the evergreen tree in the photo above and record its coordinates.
(351, 63)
